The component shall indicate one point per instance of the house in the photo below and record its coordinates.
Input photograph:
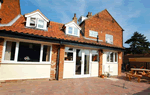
(32, 46)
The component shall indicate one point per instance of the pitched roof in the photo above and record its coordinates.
(54, 31)
(39, 12)
(100, 13)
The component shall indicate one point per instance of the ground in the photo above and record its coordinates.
(84, 86)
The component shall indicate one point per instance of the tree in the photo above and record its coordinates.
(138, 44)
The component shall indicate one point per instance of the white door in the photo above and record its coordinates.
(82, 63)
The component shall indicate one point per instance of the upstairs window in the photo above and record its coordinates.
(36, 23)
(93, 33)
(73, 31)
(109, 39)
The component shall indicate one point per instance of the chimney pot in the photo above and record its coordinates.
(74, 18)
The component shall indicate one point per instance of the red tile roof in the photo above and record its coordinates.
(54, 31)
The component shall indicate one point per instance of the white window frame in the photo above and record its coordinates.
(92, 54)
(0, 5)
(73, 51)
(113, 57)
(17, 52)
(91, 35)
(43, 23)
(36, 23)
(73, 34)
(110, 39)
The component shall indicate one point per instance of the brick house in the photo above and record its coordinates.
(32, 46)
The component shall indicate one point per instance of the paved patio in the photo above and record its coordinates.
(113, 86)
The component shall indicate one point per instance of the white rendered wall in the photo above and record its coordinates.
(68, 70)
(108, 65)
(94, 69)
(24, 71)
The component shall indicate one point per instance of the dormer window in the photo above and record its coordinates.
(36, 20)
(72, 29)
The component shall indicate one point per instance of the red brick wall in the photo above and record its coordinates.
(61, 62)
(100, 62)
(103, 23)
(54, 62)
(1, 48)
(9, 10)
(120, 61)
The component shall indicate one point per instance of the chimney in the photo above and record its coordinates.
(89, 14)
(9, 10)
(74, 18)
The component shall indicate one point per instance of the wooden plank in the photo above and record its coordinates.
(139, 59)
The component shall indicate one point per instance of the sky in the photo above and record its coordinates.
(132, 15)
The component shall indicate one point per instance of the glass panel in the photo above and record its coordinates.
(29, 52)
(46, 53)
(41, 24)
(94, 57)
(86, 61)
(75, 31)
(32, 21)
(68, 56)
(116, 57)
(111, 57)
(68, 49)
(107, 56)
(78, 61)
(10, 50)
(70, 30)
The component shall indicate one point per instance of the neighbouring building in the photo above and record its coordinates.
(32, 46)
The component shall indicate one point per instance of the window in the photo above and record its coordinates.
(10, 51)
(0, 4)
(26, 52)
(36, 23)
(40, 23)
(112, 57)
(73, 31)
(29, 52)
(46, 53)
(68, 54)
(93, 33)
(109, 39)
(94, 55)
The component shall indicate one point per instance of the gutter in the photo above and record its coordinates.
(57, 64)
(12, 22)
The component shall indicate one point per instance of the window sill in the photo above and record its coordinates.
(111, 62)
(10, 62)
(68, 61)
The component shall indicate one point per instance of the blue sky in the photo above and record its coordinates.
(132, 15)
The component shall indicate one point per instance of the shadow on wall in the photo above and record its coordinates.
(144, 92)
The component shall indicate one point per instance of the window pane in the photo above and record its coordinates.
(75, 31)
(32, 21)
(111, 57)
(68, 49)
(116, 57)
(68, 56)
(94, 55)
(10, 50)
(46, 53)
(29, 52)
(107, 56)
(41, 24)
(70, 30)
(78, 61)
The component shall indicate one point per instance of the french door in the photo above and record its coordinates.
(82, 63)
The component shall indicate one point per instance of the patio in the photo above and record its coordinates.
(82, 86)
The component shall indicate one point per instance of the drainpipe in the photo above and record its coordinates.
(57, 64)
(97, 38)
